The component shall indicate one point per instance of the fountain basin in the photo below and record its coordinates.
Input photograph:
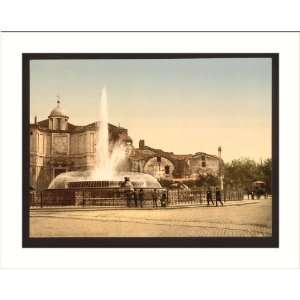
(95, 184)
(86, 179)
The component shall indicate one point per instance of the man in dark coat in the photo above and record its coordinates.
(128, 190)
(163, 199)
(218, 197)
(136, 197)
(154, 197)
(141, 197)
(209, 197)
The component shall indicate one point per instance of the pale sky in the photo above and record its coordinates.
(179, 105)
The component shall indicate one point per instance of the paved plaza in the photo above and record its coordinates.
(247, 218)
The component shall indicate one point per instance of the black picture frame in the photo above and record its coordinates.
(180, 242)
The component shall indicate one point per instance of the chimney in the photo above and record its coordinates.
(35, 119)
(141, 144)
(219, 151)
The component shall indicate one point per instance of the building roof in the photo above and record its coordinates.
(44, 125)
(170, 155)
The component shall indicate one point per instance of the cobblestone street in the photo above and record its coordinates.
(247, 218)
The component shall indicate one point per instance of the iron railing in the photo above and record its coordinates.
(117, 197)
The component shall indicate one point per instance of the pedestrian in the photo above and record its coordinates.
(141, 197)
(129, 190)
(136, 197)
(163, 199)
(249, 193)
(218, 197)
(154, 197)
(209, 197)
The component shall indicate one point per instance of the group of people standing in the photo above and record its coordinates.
(156, 196)
(209, 197)
(137, 195)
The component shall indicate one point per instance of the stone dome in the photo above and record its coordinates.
(57, 111)
(58, 120)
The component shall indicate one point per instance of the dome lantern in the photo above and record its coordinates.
(58, 120)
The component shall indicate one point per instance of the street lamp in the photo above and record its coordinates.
(220, 167)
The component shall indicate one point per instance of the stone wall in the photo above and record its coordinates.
(204, 164)
(163, 169)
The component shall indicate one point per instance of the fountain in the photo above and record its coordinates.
(105, 180)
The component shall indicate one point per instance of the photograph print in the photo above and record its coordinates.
(150, 150)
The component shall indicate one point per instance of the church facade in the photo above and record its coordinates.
(58, 146)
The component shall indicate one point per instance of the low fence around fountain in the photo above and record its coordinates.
(179, 197)
(116, 197)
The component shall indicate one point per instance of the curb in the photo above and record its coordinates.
(97, 208)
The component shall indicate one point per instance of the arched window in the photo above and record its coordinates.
(167, 169)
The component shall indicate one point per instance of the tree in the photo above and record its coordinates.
(241, 173)
(208, 180)
(265, 173)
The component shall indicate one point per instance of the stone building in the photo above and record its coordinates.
(57, 146)
(167, 165)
